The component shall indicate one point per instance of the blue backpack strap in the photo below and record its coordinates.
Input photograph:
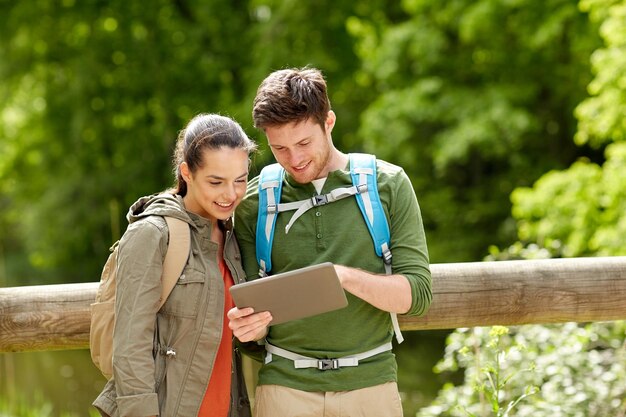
(270, 187)
(363, 173)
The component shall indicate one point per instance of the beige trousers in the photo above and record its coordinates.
(377, 401)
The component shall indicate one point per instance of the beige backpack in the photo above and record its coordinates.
(103, 309)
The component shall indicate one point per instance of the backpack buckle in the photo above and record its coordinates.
(387, 257)
(327, 364)
(272, 208)
(361, 188)
(319, 200)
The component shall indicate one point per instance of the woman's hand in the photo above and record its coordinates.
(248, 326)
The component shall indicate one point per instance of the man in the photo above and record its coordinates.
(293, 109)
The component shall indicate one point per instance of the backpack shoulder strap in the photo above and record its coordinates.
(176, 255)
(270, 188)
(363, 173)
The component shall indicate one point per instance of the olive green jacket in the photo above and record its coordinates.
(162, 360)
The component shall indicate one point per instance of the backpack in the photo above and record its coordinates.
(364, 188)
(103, 309)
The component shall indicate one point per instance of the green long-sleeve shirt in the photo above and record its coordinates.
(337, 233)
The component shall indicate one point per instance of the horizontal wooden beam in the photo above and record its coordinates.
(45, 317)
(525, 292)
(52, 317)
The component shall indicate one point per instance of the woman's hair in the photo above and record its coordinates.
(206, 131)
(291, 95)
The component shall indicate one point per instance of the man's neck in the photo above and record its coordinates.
(337, 160)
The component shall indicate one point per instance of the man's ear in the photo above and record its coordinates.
(331, 118)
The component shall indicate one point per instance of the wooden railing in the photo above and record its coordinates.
(52, 317)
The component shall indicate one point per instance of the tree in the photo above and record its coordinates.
(93, 97)
(474, 99)
(579, 211)
(94, 94)
(571, 369)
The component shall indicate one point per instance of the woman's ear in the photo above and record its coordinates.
(185, 172)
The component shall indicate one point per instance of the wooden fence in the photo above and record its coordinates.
(52, 317)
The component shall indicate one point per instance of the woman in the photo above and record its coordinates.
(179, 360)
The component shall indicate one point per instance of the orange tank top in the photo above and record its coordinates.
(216, 401)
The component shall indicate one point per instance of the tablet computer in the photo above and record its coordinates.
(294, 294)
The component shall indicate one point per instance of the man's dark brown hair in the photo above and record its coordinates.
(291, 95)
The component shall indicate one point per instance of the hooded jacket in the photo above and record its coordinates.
(162, 360)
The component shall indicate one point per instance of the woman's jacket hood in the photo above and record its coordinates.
(163, 204)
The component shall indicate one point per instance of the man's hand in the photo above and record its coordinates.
(248, 326)
(386, 292)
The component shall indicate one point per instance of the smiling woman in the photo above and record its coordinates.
(216, 187)
(211, 168)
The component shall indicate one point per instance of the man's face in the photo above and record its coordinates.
(302, 148)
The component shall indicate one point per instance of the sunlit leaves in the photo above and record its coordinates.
(582, 207)
(93, 98)
(479, 96)
(568, 370)
(602, 117)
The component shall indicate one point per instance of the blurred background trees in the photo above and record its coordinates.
(474, 99)
(508, 116)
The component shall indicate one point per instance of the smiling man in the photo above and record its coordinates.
(338, 363)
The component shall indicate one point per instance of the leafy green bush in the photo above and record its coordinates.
(567, 370)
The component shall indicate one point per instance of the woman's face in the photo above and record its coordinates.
(218, 185)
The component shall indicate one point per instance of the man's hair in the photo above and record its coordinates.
(291, 95)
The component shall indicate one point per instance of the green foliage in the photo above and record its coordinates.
(565, 370)
(492, 387)
(35, 406)
(479, 97)
(580, 369)
(580, 211)
(602, 116)
(518, 251)
(472, 98)
(92, 96)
